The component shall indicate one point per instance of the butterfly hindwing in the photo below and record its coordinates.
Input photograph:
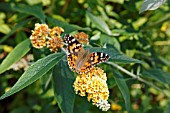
(98, 57)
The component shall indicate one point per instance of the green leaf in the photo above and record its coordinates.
(167, 109)
(164, 60)
(34, 72)
(115, 55)
(68, 28)
(158, 75)
(20, 36)
(151, 5)
(99, 23)
(146, 103)
(17, 27)
(116, 1)
(81, 105)
(35, 10)
(45, 80)
(111, 82)
(109, 40)
(63, 87)
(123, 88)
(21, 109)
(18, 52)
(5, 7)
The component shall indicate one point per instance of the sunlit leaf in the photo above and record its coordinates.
(99, 23)
(18, 52)
(34, 72)
(109, 40)
(4, 28)
(63, 87)
(151, 5)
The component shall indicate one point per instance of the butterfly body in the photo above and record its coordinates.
(81, 60)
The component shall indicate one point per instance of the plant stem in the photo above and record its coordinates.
(135, 76)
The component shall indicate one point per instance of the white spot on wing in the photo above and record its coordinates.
(101, 55)
(73, 39)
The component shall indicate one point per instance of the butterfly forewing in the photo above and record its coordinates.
(73, 44)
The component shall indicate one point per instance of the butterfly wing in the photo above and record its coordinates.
(94, 58)
(74, 48)
(79, 62)
(73, 45)
(72, 58)
(98, 57)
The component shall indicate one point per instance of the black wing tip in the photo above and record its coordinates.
(107, 56)
(67, 35)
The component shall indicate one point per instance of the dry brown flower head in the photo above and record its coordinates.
(82, 37)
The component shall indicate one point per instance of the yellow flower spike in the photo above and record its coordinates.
(54, 43)
(94, 85)
(82, 37)
(39, 34)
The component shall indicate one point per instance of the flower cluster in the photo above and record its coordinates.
(42, 36)
(82, 38)
(94, 85)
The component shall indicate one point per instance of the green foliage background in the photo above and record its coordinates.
(138, 44)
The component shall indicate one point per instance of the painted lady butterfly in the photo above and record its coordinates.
(79, 59)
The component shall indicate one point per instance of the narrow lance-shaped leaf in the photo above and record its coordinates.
(63, 87)
(34, 72)
(35, 10)
(99, 23)
(121, 83)
(18, 52)
(158, 75)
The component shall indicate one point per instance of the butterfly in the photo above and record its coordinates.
(79, 59)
